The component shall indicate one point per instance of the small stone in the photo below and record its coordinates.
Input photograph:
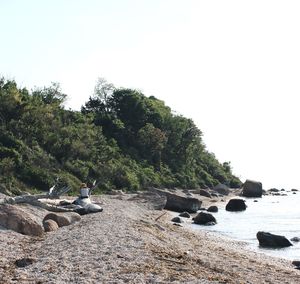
(185, 215)
(177, 220)
(295, 239)
(23, 262)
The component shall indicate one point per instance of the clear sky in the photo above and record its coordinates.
(231, 66)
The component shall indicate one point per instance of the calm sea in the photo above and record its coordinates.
(275, 214)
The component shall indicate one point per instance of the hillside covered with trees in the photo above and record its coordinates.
(120, 137)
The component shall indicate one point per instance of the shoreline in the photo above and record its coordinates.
(126, 243)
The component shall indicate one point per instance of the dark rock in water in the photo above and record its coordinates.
(294, 192)
(273, 190)
(214, 195)
(177, 220)
(23, 262)
(270, 240)
(212, 209)
(205, 219)
(204, 193)
(282, 189)
(202, 209)
(16, 219)
(294, 189)
(255, 200)
(295, 239)
(236, 204)
(185, 215)
(222, 189)
(179, 203)
(177, 224)
(252, 189)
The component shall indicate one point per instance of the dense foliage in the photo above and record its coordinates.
(120, 137)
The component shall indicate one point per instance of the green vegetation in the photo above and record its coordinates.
(120, 137)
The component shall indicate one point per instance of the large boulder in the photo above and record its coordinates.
(63, 219)
(16, 219)
(252, 188)
(205, 219)
(221, 189)
(236, 204)
(270, 240)
(179, 203)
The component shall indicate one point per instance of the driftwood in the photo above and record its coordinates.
(53, 193)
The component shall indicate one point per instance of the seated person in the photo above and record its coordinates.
(84, 191)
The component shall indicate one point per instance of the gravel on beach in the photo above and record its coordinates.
(129, 243)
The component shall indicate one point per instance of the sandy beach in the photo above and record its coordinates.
(130, 243)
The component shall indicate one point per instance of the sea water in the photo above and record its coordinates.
(279, 215)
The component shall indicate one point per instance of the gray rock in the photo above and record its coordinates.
(50, 225)
(212, 209)
(23, 262)
(179, 203)
(222, 189)
(236, 204)
(205, 193)
(205, 219)
(63, 219)
(295, 239)
(252, 189)
(16, 219)
(177, 220)
(185, 215)
(270, 240)
(296, 263)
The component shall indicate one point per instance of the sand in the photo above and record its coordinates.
(129, 243)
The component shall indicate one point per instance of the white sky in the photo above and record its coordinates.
(231, 66)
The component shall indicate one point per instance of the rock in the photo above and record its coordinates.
(214, 195)
(236, 204)
(50, 225)
(212, 209)
(255, 200)
(273, 190)
(151, 199)
(222, 189)
(177, 220)
(185, 215)
(294, 192)
(294, 189)
(205, 219)
(90, 208)
(296, 263)
(252, 189)
(63, 219)
(16, 219)
(270, 240)
(23, 262)
(282, 189)
(295, 239)
(205, 193)
(179, 203)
